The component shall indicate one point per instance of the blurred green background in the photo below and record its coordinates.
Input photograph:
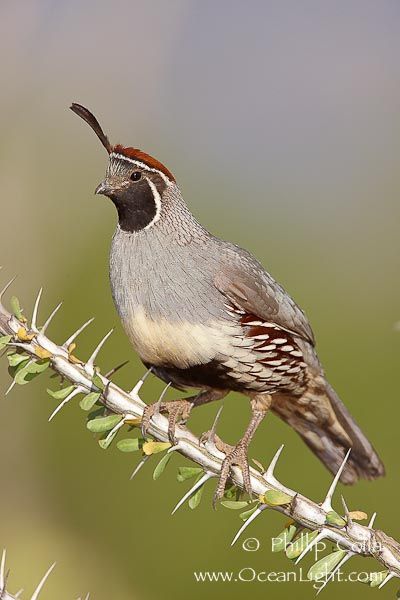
(281, 122)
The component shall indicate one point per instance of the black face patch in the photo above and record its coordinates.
(136, 205)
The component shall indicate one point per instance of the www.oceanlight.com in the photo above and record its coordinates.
(319, 579)
(251, 575)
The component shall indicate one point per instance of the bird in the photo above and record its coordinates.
(204, 314)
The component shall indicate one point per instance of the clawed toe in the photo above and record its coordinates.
(234, 455)
(237, 456)
(178, 412)
(148, 413)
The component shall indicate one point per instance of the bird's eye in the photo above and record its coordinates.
(136, 175)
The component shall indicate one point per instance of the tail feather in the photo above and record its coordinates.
(326, 426)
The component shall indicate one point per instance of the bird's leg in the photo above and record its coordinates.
(237, 455)
(178, 411)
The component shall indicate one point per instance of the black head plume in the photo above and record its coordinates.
(91, 120)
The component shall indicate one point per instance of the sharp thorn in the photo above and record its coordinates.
(34, 326)
(14, 383)
(2, 570)
(3, 590)
(165, 390)
(116, 428)
(156, 407)
(74, 393)
(139, 384)
(372, 520)
(77, 332)
(115, 369)
(211, 438)
(347, 512)
(327, 503)
(193, 489)
(18, 594)
(10, 387)
(91, 360)
(269, 473)
(139, 466)
(161, 398)
(255, 514)
(5, 288)
(208, 439)
(36, 593)
(321, 535)
(335, 570)
(145, 376)
(388, 577)
(51, 317)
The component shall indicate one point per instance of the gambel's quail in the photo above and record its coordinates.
(203, 313)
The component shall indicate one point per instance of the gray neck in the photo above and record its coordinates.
(166, 266)
(176, 221)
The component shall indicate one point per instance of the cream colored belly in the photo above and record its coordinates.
(180, 344)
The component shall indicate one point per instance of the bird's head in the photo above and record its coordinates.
(135, 182)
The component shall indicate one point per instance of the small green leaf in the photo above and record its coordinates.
(61, 394)
(30, 371)
(14, 370)
(15, 359)
(323, 567)
(130, 444)
(185, 473)
(376, 579)
(159, 470)
(281, 541)
(276, 498)
(4, 340)
(247, 513)
(103, 424)
(94, 414)
(196, 498)
(89, 401)
(97, 381)
(235, 505)
(231, 493)
(151, 447)
(332, 518)
(16, 307)
(294, 549)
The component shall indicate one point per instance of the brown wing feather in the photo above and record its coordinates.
(244, 281)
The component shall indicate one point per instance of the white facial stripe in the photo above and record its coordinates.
(142, 165)
(157, 200)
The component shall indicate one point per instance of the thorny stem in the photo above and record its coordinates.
(354, 538)
(5, 595)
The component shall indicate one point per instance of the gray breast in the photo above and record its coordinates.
(166, 298)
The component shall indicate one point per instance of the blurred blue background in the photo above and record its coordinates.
(281, 123)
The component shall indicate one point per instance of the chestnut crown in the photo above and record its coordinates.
(135, 181)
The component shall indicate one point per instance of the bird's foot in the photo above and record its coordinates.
(178, 412)
(237, 455)
(234, 456)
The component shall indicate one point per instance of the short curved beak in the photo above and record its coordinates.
(103, 188)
